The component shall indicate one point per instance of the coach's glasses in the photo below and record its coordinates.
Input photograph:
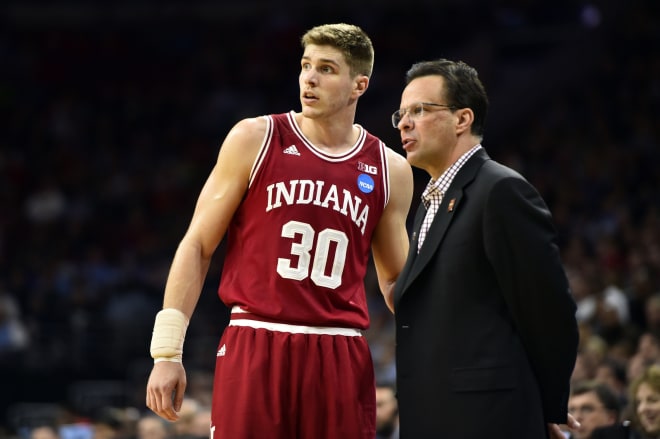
(415, 111)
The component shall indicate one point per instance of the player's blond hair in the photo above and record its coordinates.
(351, 40)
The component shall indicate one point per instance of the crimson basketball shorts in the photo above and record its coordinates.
(279, 381)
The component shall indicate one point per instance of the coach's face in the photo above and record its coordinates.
(428, 126)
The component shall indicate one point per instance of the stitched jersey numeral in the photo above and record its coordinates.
(302, 249)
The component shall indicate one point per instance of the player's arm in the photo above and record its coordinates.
(220, 196)
(390, 242)
(216, 204)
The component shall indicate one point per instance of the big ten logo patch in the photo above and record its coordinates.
(369, 169)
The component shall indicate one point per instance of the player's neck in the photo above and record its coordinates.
(333, 136)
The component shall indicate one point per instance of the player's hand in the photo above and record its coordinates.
(165, 389)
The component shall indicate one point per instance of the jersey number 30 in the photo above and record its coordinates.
(303, 248)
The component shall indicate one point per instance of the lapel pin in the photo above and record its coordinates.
(451, 205)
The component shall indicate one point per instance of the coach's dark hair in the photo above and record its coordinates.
(463, 88)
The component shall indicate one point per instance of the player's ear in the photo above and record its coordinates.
(361, 84)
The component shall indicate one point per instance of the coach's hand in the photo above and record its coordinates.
(555, 431)
(165, 389)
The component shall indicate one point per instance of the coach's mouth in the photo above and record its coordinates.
(408, 143)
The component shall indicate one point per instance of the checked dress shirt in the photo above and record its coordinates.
(435, 190)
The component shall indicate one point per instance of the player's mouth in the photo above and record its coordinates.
(309, 98)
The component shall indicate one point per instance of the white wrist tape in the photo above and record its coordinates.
(168, 336)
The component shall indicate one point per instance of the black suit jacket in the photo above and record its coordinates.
(486, 334)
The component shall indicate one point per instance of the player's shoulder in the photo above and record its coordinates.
(398, 164)
(243, 141)
(247, 133)
(401, 179)
(251, 126)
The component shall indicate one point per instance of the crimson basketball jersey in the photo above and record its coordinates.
(298, 245)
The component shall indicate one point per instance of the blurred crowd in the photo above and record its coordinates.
(113, 118)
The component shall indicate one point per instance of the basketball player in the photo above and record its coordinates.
(304, 197)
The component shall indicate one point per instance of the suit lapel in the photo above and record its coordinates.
(451, 204)
(417, 225)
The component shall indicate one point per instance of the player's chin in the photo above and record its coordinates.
(310, 112)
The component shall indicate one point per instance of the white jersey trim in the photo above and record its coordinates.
(356, 148)
(386, 172)
(263, 149)
(293, 329)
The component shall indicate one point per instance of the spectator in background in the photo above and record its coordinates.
(612, 313)
(612, 373)
(603, 306)
(645, 410)
(14, 338)
(387, 412)
(109, 423)
(198, 427)
(190, 407)
(640, 290)
(584, 369)
(649, 347)
(151, 426)
(592, 405)
(596, 348)
(652, 314)
(44, 432)
(648, 353)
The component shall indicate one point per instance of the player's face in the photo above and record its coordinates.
(428, 137)
(326, 84)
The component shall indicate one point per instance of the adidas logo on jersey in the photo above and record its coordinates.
(222, 351)
(292, 150)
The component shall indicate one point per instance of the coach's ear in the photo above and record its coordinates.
(464, 119)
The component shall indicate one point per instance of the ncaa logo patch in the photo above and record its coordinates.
(365, 183)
